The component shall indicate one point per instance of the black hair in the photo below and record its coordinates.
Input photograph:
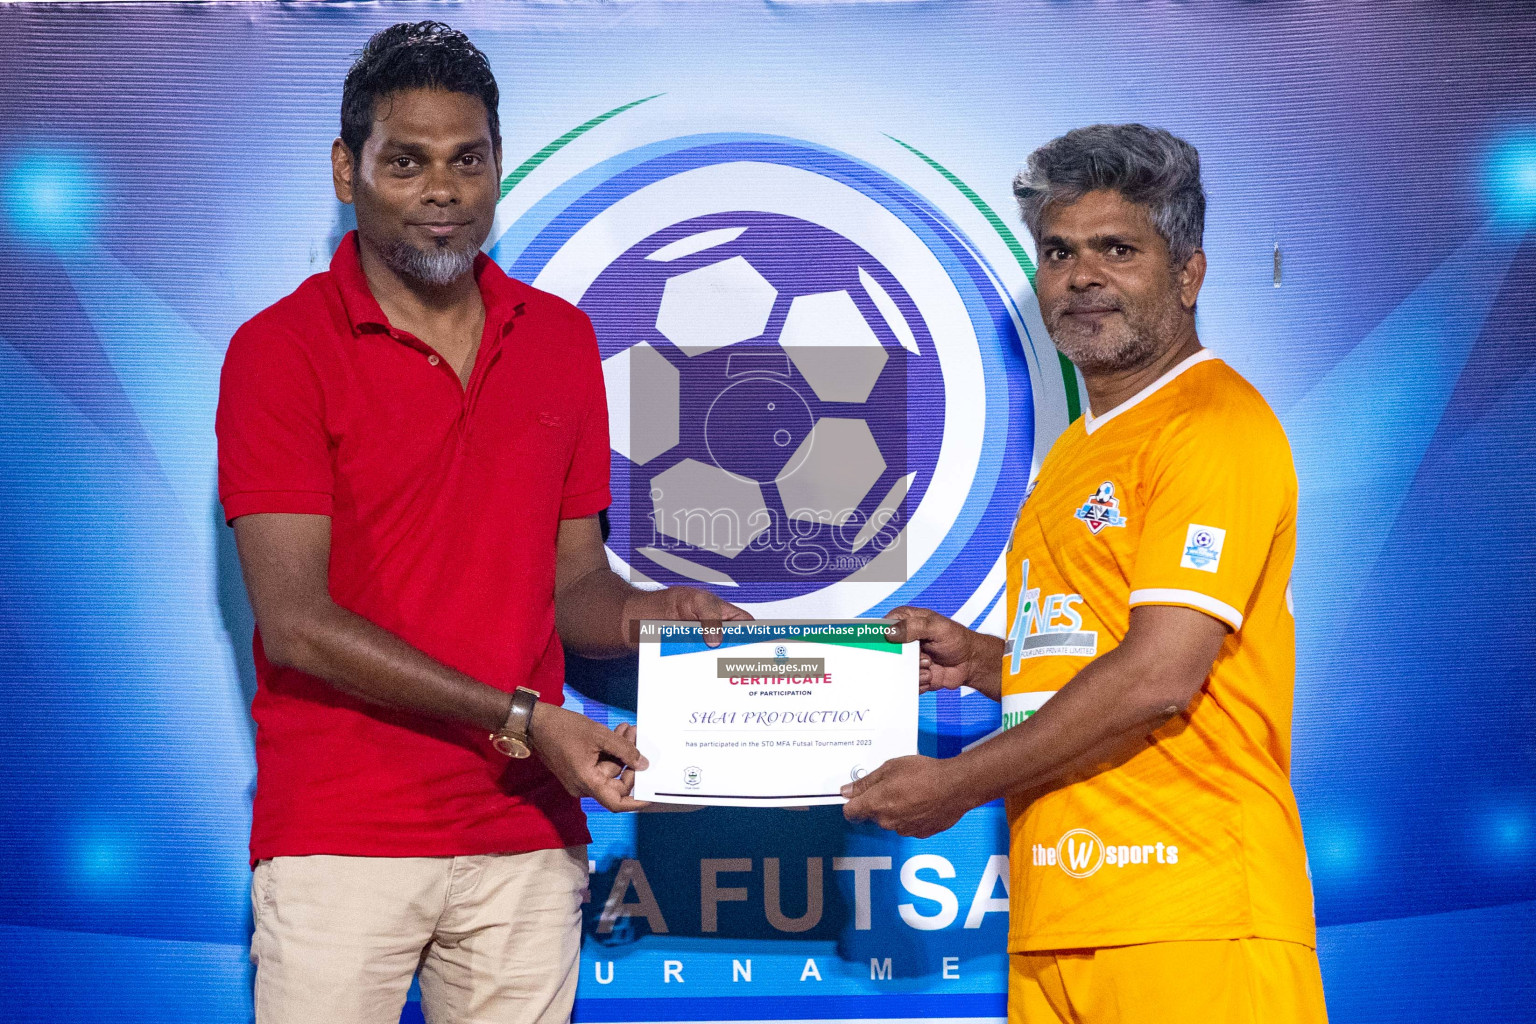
(423, 55)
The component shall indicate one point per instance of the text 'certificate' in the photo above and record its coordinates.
(781, 714)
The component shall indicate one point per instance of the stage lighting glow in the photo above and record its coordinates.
(50, 198)
(1336, 849)
(1511, 831)
(101, 863)
(1512, 175)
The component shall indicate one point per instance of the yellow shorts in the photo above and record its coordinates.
(1225, 981)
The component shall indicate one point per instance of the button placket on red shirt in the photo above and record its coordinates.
(469, 395)
(479, 385)
(484, 363)
(484, 360)
(441, 365)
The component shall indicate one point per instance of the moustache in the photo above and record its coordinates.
(1066, 307)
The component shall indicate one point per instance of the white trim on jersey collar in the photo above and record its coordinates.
(1092, 422)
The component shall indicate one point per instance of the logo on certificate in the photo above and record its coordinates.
(691, 777)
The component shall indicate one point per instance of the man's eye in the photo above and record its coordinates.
(403, 163)
(470, 159)
(1120, 250)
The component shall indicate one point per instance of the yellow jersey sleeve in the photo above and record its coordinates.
(1221, 487)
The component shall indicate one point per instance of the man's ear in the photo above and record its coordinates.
(1191, 277)
(342, 169)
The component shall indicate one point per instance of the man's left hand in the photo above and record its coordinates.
(684, 604)
(914, 796)
(587, 758)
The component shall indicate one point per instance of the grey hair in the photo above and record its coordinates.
(1148, 166)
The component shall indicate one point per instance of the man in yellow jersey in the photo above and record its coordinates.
(1158, 872)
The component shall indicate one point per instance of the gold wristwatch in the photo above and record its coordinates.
(512, 738)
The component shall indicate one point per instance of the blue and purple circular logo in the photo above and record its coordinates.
(770, 368)
(814, 386)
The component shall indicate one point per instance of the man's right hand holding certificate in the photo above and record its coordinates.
(952, 656)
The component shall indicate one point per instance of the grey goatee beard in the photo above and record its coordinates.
(1140, 336)
(432, 266)
(1100, 354)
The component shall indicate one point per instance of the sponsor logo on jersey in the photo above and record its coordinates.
(1101, 510)
(1048, 626)
(1080, 853)
(1202, 548)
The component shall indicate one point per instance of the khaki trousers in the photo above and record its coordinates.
(496, 938)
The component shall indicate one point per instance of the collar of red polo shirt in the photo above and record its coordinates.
(503, 304)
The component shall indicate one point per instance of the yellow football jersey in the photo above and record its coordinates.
(1183, 495)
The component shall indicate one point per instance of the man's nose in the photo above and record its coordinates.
(439, 187)
(1086, 273)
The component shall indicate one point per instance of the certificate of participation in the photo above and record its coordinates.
(780, 714)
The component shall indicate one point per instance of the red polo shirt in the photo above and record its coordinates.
(444, 504)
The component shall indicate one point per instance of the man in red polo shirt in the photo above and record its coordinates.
(413, 449)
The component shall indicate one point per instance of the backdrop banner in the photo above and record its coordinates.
(806, 205)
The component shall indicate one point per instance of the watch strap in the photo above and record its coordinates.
(519, 716)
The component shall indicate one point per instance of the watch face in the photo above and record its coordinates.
(510, 745)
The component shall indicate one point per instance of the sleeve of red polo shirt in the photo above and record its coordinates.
(586, 481)
(274, 454)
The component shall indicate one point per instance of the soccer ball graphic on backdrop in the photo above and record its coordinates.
(770, 400)
(790, 337)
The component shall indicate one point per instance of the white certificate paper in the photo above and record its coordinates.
(781, 714)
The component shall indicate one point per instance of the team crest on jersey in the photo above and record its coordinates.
(1101, 510)
(1202, 548)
